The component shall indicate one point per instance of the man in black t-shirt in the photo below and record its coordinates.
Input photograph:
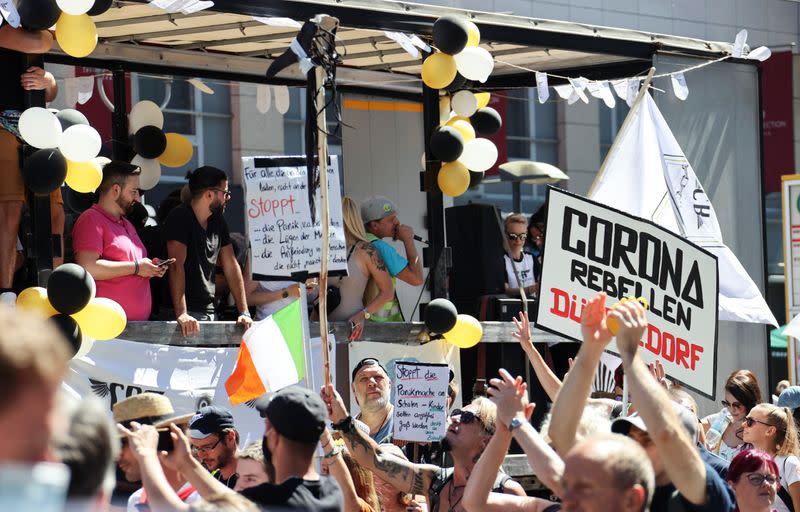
(197, 236)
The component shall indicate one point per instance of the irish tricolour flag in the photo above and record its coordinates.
(270, 357)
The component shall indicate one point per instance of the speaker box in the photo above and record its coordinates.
(475, 236)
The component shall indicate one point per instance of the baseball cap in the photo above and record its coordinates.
(367, 361)
(376, 208)
(295, 412)
(210, 420)
(688, 420)
(790, 397)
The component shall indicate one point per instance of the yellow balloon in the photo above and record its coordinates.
(101, 319)
(464, 128)
(455, 119)
(178, 152)
(76, 35)
(439, 70)
(453, 178)
(483, 99)
(473, 34)
(34, 299)
(84, 177)
(466, 333)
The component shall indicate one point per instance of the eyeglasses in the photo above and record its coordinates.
(226, 192)
(205, 449)
(756, 479)
(752, 421)
(517, 236)
(468, 417)
(732, 405)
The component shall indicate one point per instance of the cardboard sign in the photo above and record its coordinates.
(590, 248)
(285, 241)
(420, 410)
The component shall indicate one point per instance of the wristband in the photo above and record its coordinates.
(136, 267)
(346, 425)
(245, 313)
(333, 453)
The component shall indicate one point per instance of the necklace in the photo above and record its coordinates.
(450, 493)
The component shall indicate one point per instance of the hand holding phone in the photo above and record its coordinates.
(166, 263)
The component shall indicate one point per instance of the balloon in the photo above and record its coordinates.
(38, 14)
(440, 315)
(76, 35)
(84, 177)
(75, 7)
(40, 128)
(464, 128)
(464, 103)
(178, 152)
(475, 178)
(102, 319)
(87, 342)
(34, 299)
(483, 99)
(438, 70)
(69, 117)
(145, 113)
(454, 119)
(70, 287)
(447, 143)
(453, 178)
(473, 34)
(149, 141)
(479, 155)
(69, 328)
(80, 143)
(44, 171)
(151, 171)
(100, 7)
(475, 63)
(486, 121)
(466, 333)
(77, 202)
(444, 108)
(450, 34)
(457, 84)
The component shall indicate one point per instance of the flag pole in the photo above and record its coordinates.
(623, 128)
(322, 153)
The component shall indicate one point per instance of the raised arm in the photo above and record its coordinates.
(549, 381)
(338, 470)
(577, 387)
(180, 459)
(678, 453)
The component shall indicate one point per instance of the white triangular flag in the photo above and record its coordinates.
(738, 44)
(404, 41)
(542, 90)
(602, 91)
(9, 11)
(85, 88)
(633, 90)
(419, 43)
(573, 98)
(278, 22)
(679, 86)
(281, 93)
(578, 85)
(565, 91)
(70, 91)
(621, 88)
(201, 86)
(792, 329)
(197, 7)
(761, 54)
(647, 162)
(263, 98)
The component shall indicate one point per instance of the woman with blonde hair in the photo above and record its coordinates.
(772, 429)
(364, 262)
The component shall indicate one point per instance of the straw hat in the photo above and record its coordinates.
(148, 408)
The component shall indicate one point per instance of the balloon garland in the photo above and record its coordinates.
(441, 317)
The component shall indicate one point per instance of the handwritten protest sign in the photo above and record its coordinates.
(285, 241)
(591, 248)
(420, 391)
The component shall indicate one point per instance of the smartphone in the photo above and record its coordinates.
(164, 263)
(165, 441)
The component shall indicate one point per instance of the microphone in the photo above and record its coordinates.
(420, 239)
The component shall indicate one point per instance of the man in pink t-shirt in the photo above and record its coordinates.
(107, 246)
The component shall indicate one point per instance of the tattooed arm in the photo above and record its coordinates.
(377, 271)
(405, 476)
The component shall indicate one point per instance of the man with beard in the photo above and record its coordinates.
(197, 235)
(370, 384)
(107, 246)
(214, 442)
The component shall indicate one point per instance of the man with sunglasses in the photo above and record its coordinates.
(197, 236)
(215, 441)
(520, 271)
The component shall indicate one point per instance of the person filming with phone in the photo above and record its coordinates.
(107, 246)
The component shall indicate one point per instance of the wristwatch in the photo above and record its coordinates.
(285, 293)
(516, 422)
(245, 313)
(367, 316)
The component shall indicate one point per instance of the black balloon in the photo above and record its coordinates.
(486, 121)
(457, 84)
(447, 144)
(78, 202)
(70, 329)
(70, 287)
(69, 117)
(99, 7)
(149, 142)
(44, 170)
(440, 315)
(450, 34)
(38, 14)
(475, 178)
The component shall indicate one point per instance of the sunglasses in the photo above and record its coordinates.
(731, 405)
(756, 479)
(205, 449)
(752, 421)
(517, 236)
(468, 417)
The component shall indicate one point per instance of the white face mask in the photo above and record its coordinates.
(41, 486)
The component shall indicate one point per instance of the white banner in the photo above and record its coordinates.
(284, 239)
(190, 377)
(592, 248)
(420, 391)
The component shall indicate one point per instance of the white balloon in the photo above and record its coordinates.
(464, 103)
(75, 7)
(151, 171)
(80, 143)
(40, 128)
(87, 342)
(145, 113)
(475, 63)
(101, 161)
(479, 155)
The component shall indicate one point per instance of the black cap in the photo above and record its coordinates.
(210, 420)
(367, 361)
(296, 413)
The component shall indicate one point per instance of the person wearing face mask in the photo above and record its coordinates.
(197, 236)
(754, 478)
(107, 246)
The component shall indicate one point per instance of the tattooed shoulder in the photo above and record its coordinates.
(374, 255)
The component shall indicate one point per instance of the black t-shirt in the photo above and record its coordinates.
(12, 96)
(202, 250)
(323, 495)
(719, 497)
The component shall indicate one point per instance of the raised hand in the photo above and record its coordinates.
(632, 320)
(333, 401)
(593, 322)
(523, 333)
(510, 395)
(657, 371)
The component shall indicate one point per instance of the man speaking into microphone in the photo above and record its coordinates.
(380, 220)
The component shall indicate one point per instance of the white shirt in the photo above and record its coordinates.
(789, 466)
(137, 496)
(524, 269)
